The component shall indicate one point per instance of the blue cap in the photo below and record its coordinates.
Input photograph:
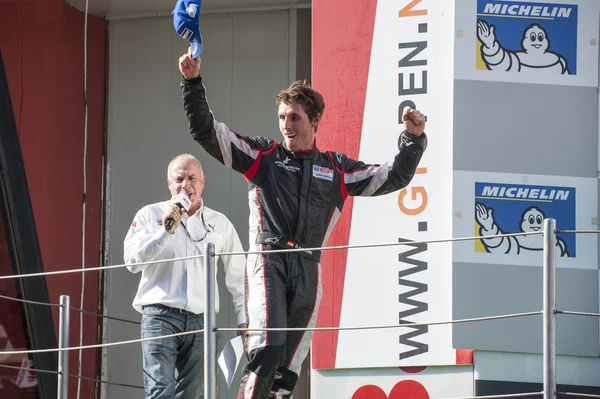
(186, 20)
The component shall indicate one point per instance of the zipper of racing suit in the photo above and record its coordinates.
(303, 203)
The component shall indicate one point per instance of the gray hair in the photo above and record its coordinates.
(183, 157)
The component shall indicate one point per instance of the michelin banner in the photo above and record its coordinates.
(528, 41)
(488, 204)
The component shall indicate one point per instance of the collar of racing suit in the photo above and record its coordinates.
(304, 154)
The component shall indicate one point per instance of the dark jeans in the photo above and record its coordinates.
(173, 367)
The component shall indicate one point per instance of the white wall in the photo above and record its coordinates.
(246, 61)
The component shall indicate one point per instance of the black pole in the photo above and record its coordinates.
(24, 249)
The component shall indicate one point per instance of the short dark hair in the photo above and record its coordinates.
(301, 92)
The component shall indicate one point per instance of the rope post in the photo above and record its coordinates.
(210, 335)
(63, 342)
(549, 313)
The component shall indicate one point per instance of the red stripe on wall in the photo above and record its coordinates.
(343, 34)
(42, 44)
(464, 356)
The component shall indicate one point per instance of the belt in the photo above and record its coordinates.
(170, 309)
(284, 242)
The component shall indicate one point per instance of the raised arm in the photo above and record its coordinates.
(238, 152)
(373, 179)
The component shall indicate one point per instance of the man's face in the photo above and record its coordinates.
(297, 130)
(186, 175)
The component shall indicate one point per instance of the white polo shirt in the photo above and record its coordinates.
(180, 284)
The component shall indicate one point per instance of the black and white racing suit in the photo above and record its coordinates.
(295, 200)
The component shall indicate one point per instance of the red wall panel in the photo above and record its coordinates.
(43, 47)
(340, 72)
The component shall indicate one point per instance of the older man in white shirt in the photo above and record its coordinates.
(170, 295)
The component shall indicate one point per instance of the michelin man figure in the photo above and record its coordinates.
(532, 220)
(535, 54)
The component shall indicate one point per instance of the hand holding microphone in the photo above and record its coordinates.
(179, 204)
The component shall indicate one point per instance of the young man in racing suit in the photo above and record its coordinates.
(296, 194)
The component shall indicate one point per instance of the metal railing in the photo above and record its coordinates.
(210, 330)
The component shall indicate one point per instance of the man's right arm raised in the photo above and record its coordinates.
(241, 153)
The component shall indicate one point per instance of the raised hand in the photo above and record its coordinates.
(188, 66)
(414, 121)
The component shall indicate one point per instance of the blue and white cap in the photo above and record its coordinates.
(186, 20)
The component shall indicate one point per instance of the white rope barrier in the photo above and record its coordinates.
(379, 327)
(105, 316)
(10, 298)
(91, 269)
(389, 244)
(155, 262)
(511, 395)
(577, 313)
(585, 395)
(119, 384)
(551, 230)
(70, 375)
(5, 366)
(270, 329)
(72, 348)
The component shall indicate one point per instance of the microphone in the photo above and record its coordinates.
(182, 200)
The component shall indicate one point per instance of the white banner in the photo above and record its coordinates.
(410, 65)
(427, 383)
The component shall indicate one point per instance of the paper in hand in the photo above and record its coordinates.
(230, 357)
